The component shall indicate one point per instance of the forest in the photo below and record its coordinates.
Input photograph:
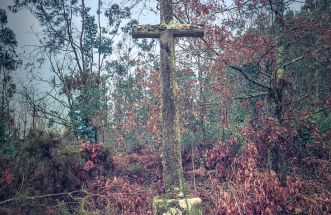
(86, 127)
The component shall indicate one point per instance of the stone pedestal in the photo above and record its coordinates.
(188, 205)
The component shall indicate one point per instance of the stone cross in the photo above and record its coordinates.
(166, 31)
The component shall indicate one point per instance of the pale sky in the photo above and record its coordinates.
(22, 23)
(26, 26)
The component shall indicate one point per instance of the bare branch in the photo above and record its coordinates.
(252, 96)
(247, 76)
(70, 194)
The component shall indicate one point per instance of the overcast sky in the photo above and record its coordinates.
(26, 26)
(22, 23)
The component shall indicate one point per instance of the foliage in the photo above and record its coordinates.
(117, 196)
(41, 164)
(237, 185)
(9, 62)
(97, 158)
(143, 167)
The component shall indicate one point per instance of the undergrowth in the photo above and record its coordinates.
(47, 175)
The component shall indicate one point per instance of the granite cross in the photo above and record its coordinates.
(171, 149)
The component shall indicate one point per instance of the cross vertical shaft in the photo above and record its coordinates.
(172, 160)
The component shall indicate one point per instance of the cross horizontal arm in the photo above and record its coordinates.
(176, 29)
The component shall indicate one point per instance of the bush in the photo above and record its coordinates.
(237, 186)
(41, 164)
(116, 196)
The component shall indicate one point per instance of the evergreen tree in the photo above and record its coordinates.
(8, 63)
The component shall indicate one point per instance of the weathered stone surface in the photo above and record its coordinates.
(176, 29)
(176, 206)
(171, 150)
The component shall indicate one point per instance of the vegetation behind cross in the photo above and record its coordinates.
(166, 31)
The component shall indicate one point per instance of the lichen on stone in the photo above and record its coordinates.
(183, 205)
(187, 203)
(178, 26)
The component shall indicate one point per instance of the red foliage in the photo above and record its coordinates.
(248, 190)
(118, 196)
(90, 152)
(5, 179)
(219, 159)
(143, 167)
(271, 133)
(89, 165)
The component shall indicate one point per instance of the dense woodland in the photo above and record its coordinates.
(253, 99)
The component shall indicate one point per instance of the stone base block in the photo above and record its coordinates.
(188, 205)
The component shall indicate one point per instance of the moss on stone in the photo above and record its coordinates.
(176, 206)
(178, 26)
(280, 73)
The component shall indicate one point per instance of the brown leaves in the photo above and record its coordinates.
(240, 187)
(95, 155)
(89, 165)
(143, 167)
(6, 178)
(246, 190)
(118, 196)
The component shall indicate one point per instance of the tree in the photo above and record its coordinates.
(78, 48)
(266, 42)
(8, 63)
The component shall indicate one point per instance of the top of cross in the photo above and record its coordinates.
(166, 11)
